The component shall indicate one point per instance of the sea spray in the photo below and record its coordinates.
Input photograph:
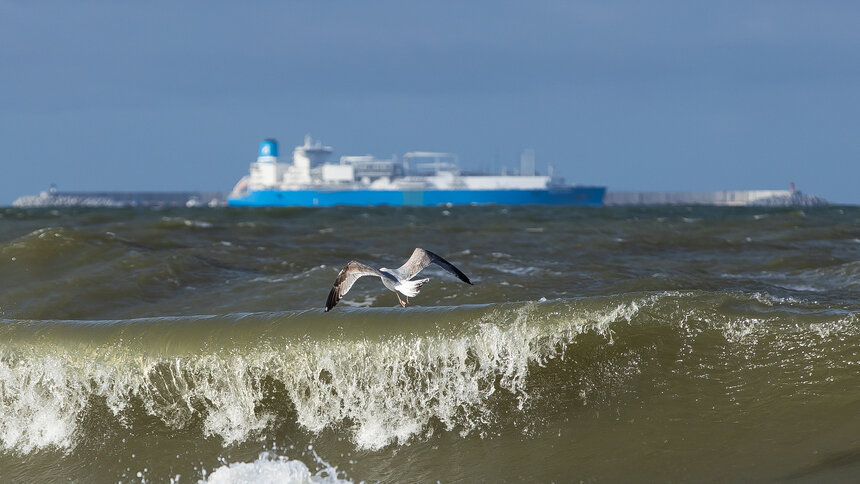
(272, 469)
(388, 388)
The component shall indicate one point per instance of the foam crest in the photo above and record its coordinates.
(44, 397)
(274, 469)
(39, 405)
(390, 390)
(231, 387)
(176, 222)
(843, 328)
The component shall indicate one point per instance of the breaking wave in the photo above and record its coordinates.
(382, 376)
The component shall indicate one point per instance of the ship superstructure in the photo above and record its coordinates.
(418, 178)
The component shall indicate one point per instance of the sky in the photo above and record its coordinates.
(657, 95)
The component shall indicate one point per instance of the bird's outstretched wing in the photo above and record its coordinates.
(422, 258)
(346, 278)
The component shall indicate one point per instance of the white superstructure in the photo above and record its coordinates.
(417, 170)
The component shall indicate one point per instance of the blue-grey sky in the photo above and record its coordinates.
(657, 95)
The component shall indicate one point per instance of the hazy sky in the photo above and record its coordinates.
(636, 95)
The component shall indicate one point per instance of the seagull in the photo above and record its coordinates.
(397, 280)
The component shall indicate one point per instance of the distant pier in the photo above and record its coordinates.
(54, 198)
(726, 198)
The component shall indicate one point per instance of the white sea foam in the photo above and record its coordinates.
(518, 270)
(272, 469)
(365, 303)
(737, 330)
(39, 405)
(291, 277)
(770, 300)
(200, 224)
(843, 327)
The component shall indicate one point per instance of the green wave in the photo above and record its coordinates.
(384, 376)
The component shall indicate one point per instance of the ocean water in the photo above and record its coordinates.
(597, 344)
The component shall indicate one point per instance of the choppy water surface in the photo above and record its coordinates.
(617, 344)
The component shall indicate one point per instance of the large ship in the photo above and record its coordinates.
(417, 178)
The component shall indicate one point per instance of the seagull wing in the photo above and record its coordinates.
(346, 278)
(422, 258)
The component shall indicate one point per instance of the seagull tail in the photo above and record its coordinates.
(411, 288)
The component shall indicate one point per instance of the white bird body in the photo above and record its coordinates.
(396, 280)
(407, 287)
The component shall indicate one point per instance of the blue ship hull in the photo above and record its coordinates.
(584, 196)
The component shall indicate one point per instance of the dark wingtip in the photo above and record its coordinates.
(460, 275)
(331, 301)
(451, 267)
